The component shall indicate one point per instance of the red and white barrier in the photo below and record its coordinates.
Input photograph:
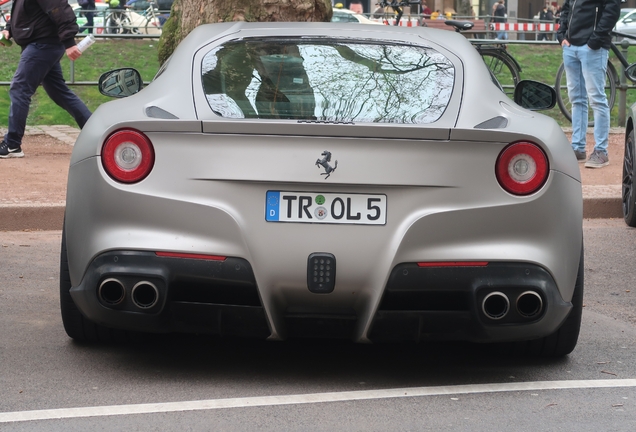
(518, 27)
(528, 27)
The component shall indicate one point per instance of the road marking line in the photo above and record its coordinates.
(260, 401)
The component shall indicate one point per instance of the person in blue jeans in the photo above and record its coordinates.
(584, 34)
(45, 30)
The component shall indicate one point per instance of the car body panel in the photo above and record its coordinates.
(627, 23)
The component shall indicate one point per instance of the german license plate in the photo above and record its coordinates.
(331, 208)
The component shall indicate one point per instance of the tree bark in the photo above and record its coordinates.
(188, 14)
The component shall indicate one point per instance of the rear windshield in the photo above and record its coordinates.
(327, 80)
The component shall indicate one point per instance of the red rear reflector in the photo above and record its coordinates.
(522, 168)
(190, 256)
(453, 264)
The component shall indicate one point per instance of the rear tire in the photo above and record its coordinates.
(75, 324)
(629, 175)
(563, 341)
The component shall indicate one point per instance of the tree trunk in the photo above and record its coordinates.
(188, 14)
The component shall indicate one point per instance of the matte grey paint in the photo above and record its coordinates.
(206, 193)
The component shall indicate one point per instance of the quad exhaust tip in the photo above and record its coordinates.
(145, 295)
(529, 304)
(111, 291)
(496, 305)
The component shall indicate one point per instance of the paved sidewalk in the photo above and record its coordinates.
(34, 187)
(66, 134)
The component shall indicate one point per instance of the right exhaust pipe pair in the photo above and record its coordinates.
(144, 294)
(496, 305)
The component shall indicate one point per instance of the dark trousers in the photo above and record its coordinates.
(40, 64)
(89, 21)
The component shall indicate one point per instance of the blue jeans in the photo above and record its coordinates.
(502, 35)
(585, 69)
(40, 64)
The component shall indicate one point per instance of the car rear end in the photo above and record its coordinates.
(316, 200)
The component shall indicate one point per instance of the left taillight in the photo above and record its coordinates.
(522, 168)
(128, 156)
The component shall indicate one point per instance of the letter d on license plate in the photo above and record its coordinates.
(310, 207)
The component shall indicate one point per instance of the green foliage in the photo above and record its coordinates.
(169, 36)
(102, 56)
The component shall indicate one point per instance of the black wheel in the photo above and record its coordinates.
(564, 101)
(629, 194)
(563, 341)
(503, 69)
(118, 23)
(75, 324)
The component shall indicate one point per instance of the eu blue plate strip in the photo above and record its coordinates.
(272, 206)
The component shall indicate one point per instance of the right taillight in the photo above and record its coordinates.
(522, 168)
(128, 156)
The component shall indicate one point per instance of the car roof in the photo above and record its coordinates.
(363, 19)
(630, 13)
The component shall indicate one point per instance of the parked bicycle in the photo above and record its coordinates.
(612, 79)
(128, 20)
(5, 11)
(503, 66)
(397, 10)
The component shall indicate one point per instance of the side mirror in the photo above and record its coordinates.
(120, 83)
(534, 95)
(415, 2)
(628, 20)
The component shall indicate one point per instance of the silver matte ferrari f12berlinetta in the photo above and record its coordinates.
(280, 180)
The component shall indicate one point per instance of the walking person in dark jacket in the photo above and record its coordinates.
(45, 30)
(584, 34)
(88, 10)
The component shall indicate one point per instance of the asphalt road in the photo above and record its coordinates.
(202, 383)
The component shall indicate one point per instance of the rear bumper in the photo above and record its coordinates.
(451, 303)
(193, 295)
(222, 297)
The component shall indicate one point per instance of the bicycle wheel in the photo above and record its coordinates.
(153, 25)
(611, 77)
(118, 23)
(502, 68)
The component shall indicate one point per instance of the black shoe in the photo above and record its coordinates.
(7, 152)
(580, 156)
